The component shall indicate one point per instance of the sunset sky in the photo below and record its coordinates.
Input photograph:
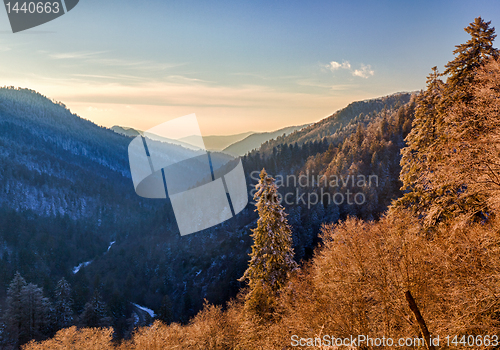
(239, 65)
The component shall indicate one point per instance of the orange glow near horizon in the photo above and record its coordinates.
(220, 110)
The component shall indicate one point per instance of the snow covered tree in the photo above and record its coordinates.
(63, 305)
(272, 253)
(473, 148)
(435, 192)
(417, 156)
(469, 57)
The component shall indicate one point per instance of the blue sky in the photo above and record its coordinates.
(239, 65)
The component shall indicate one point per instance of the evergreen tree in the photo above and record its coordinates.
(427, 127)
(165, 312)
(473, 151)
(13, 317)
(95, 313)
(432, 145)
(469, 57)
(272, 253)
(63, 305)
(27, 314)
(36, 313)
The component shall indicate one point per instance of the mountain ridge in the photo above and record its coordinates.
(329, 125)
(236, 145)
(254, 141)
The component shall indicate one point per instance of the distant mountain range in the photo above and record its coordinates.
(131, 132)
(255, 140)
(218, 142)
(236, 145)
(127, 131)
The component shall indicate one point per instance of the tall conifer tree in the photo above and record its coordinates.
(27, 314)
(272, 253)
(461, 71)
(63, 304)
(427, 127)
(95, 313)
(13, 316)
(431, 144)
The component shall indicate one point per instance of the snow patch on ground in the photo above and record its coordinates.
(87, 263)
(83, 264)
(110, 245)
(143, 308)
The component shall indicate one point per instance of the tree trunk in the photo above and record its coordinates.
(420, 320)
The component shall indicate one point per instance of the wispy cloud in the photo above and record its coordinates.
(73, 55)
(175, 79)
(266, 76)
(169, 93)
(365, 71)
(224, 108)
(120, 77)
(95, 76)
(140, 64)
(98, 59)
(184, 79)
(316, 83)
